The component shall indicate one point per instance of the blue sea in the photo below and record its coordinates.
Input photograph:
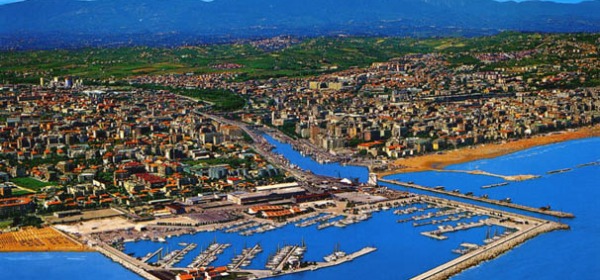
(402, 251)
(89, 266)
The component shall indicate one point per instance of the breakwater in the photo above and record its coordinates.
(487, 252)
(553, 213)
(126, 261)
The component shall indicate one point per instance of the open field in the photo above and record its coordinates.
(309, 57)
(30, 183)
(439, 161)
(38, 240)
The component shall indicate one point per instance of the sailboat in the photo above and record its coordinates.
(487, 237)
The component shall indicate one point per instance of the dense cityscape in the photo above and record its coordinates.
(173, 154)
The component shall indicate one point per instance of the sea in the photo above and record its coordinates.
(402, 252)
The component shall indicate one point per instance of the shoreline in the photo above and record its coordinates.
(432, 162)
(40, 240)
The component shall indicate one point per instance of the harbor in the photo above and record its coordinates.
(423, 211)
(419, 206)
(486, 252)
(260, 274)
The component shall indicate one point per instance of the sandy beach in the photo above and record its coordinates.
(44, 239)
(483, 151)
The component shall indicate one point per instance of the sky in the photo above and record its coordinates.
(559, 1)
(8, 1)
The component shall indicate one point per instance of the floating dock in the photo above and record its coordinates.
(177, 256)
(209, 255)
(262, 273)
(559, 171)
(494, 185)
(245, 258)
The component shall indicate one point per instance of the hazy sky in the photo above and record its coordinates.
(8, 1)
(560, 1)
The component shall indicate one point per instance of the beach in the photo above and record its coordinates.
(44, 239)
(484, 151)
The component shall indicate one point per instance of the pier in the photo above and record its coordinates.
(141, 268)
(152, 255)
(494, 185)
(553, 213)
(295, 251)
(261, 273)
(209, 255)
(244, 259)
(437, 234)
(445, 220)
(179, 255)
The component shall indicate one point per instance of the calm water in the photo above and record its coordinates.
(328, 169)
(89, 266)
(402, 251)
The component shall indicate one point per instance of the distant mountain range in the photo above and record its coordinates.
(76, 23)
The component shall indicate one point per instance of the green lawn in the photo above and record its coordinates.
(4, 224)
(30, 183)
(17, 192)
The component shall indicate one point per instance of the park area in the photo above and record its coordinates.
(31, 183)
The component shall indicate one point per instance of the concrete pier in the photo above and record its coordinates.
(259, 274)
(150, 256)
(176, 258)
(128, 262)
(208, 255)
(437, 234)
(480, 199)
(246, 256)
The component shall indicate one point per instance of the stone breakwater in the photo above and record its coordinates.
(553, 213)
(487, 252)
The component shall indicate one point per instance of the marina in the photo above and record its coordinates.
(318, 220)
(438, 234)
(285, 258)
(259, 274)
(244, 259)
(170, 259)
(490, 248)
(209, 255)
